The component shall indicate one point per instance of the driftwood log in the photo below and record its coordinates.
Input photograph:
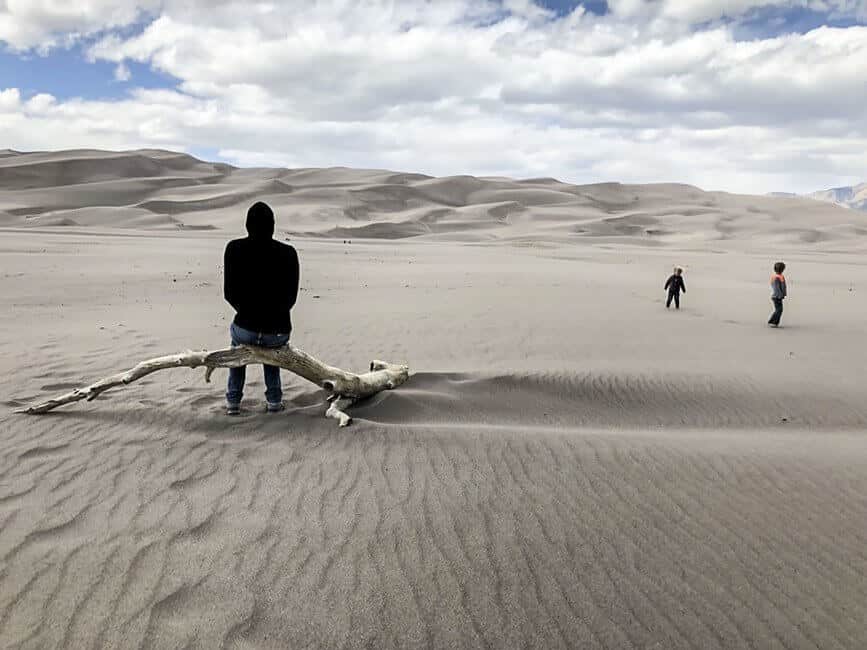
(345, 388)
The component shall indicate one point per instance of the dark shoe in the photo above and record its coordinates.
(233, 409)
(275, 407)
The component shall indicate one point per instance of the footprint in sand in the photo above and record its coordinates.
(151, 402)
(205, 400)
(42, 451)
(54, 374)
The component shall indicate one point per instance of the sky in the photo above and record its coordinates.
(745, 96)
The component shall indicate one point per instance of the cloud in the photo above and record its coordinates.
(640, 94)
(10, 99)
(122, 73)
(41, 102)
(44, 24)
(698, 11)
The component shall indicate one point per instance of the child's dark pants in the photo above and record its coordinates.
(778, 311)
(673, 295)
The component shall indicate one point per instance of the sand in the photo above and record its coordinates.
(570, 465)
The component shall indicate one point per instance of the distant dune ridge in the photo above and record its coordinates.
(571, 465)
(151, 189)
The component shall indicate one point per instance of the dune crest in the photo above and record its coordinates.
(152, 189)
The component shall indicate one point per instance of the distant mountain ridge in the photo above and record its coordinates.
(854, 196)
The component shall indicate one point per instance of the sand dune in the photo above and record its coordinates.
(570, 466)
(616, 400)
(45, 189)
(247, 536)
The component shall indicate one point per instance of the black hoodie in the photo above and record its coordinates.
(261, 276)
(675, 284)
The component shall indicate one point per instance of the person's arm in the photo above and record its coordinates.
(668, 282)
(230, 283)
(683, 284)
(294, 277)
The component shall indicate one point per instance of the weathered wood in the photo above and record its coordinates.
(337, 409)
(346, 388)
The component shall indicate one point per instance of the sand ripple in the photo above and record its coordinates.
(240, 534)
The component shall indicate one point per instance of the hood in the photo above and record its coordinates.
(260, 221)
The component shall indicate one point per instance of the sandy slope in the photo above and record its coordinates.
(570, 466)
(157, 189)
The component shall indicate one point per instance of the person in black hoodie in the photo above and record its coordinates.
(675, 285)
(261, 283)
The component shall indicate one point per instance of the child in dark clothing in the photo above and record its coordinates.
(675, 285)
(778, 293)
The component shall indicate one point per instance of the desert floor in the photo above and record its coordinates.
(570, 465)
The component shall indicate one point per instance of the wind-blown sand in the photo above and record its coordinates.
(570, 465)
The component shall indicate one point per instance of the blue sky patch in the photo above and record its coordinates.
(770, 22)
(565, 7)
(67, 73)
(208, 154)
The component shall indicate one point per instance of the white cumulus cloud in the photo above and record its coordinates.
(43, 24)
(122, 73)
(483, 87)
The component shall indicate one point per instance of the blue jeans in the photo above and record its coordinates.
(273, 387)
